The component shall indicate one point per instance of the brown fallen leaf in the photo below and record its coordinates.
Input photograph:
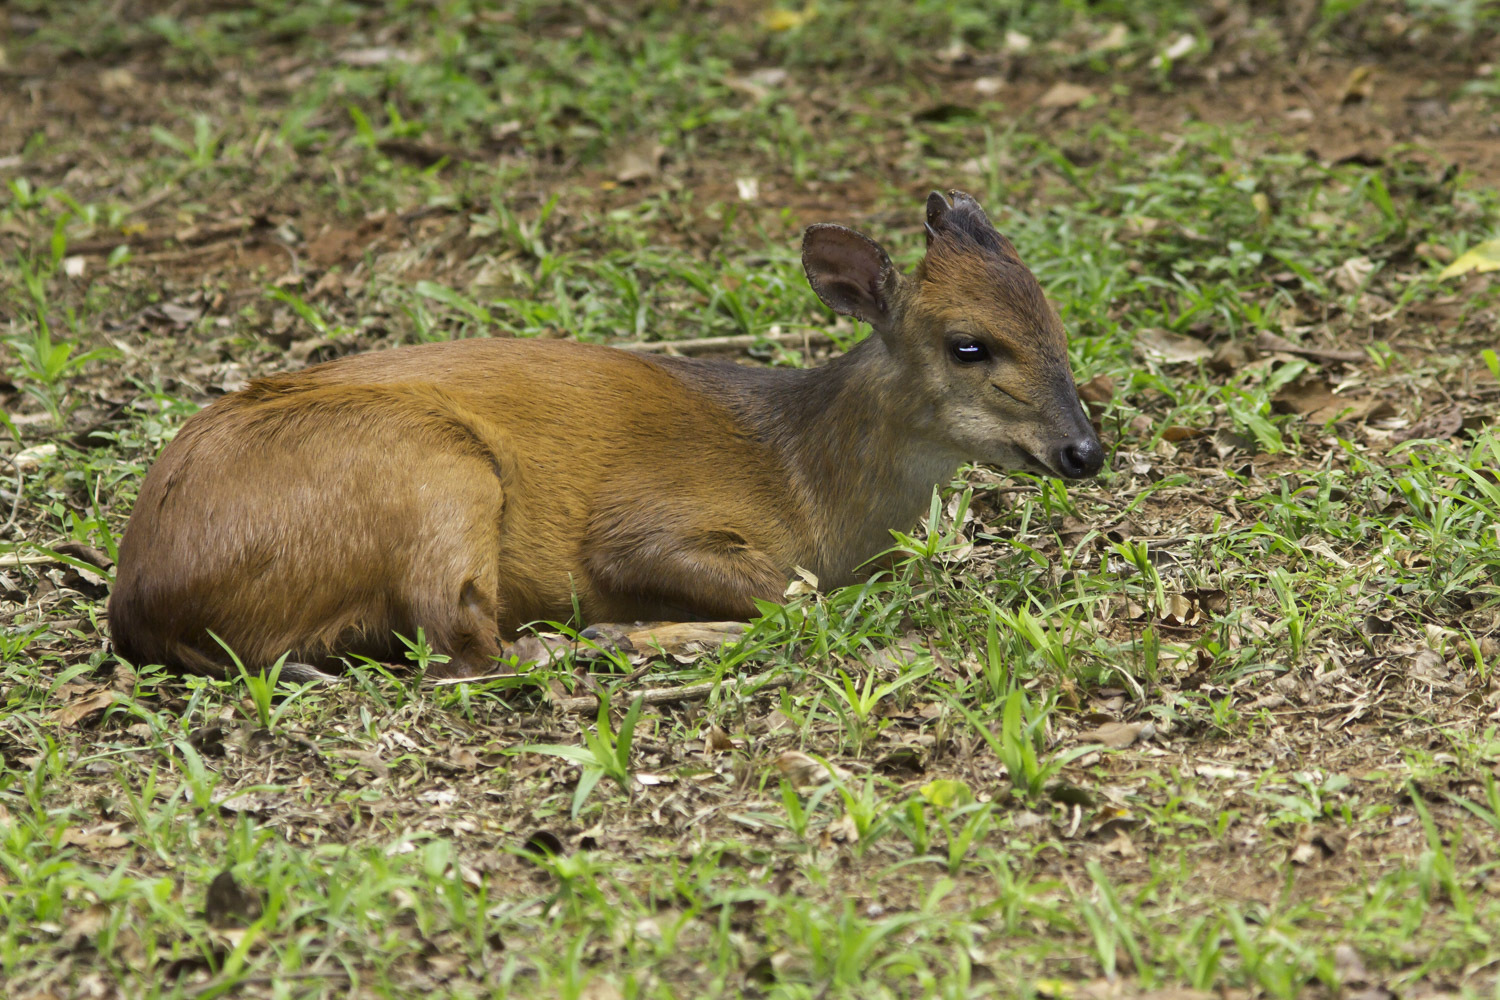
(802, 769)
(1358, 86)
(462, 757)
(96, 839)
(30, 459)
(123, 679)
(1303, 397)
(1215, 602)
(1120, 989)
(840, 831)
(228, 904)
(85, 926)
(1122, 845)
(1270, 343)
(1305, 854)
(1227, 442)
(1232, 355)
(87, 553)
(1316, 845)
(1064, 95)
(76, 711)
(1098, 390)
(1353, 274)
(1171, 348)
(685, 639)
(1178, 610)
(640, 163)
(1118, 735)
(118, 78)
(1437, 426)
(1314, 400)
(537, 649)
(906, 761)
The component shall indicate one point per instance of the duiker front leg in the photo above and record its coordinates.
(654, 564)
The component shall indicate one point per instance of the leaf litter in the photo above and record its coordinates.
(1369, 698)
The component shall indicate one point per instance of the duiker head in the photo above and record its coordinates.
(983, 349)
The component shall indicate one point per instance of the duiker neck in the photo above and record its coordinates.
(855, 435)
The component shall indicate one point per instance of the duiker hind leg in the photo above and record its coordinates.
(451, 590)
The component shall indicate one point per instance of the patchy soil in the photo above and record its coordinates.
(1296, 777)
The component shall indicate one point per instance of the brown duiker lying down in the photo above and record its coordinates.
(471, 487)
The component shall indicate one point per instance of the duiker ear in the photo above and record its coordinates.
(851, 273)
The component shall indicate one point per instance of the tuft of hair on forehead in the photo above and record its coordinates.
(960, 225)
(964, 251)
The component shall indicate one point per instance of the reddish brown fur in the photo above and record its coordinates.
(468, 488)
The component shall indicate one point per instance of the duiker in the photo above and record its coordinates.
(468, 488)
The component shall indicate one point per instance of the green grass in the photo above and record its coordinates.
(924, 795)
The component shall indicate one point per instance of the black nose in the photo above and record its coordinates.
(1080, 459)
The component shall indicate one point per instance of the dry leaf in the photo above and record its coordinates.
(806, 583)
(1434, 427)
(382, 55)
(229, 904)
(801, 769)
(1480, 259)
(1305, 854)
(1214, 602)
(600, 988)
(28, 459)
(1179, 48)
(1359, 85)
(1171, 348)
(1117, 37)
(180, 315)
(88, 553)
(1118, 735)
(116, 78)
(1303, 397)
(840, 831)
(640, 163)
(1349, 966)
(76, 711)
(685, 639)
(95, 840)
(462, 757)
(1178, 610)
(85, 926)
(1272, 343)
(1352, 274)
(1314, 400)
(1064, 95)
(1097, 391)
(1122, 845)
(787, 20)
(536, 649)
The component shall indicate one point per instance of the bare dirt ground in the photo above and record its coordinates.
(1378, 723)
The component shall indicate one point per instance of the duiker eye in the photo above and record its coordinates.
(967, 350)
